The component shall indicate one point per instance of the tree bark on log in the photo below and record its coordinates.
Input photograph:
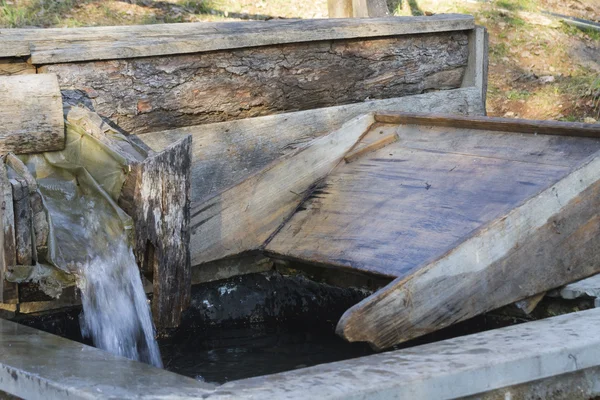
(158, 93)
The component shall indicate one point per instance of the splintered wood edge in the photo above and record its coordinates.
(374, 319)
(493, 124)
(103, 43)
(358, 152)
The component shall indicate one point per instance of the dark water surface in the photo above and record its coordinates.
(230, 354)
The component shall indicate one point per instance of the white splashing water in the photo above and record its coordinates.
(116, 314)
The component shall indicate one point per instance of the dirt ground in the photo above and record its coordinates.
(540, 67)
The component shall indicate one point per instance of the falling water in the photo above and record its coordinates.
(115, 310)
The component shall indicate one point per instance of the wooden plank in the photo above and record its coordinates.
(495, 124)
(245, 216)
(60, 45)
(202, 88)
(15, 66)
(551, 239)
(31, 118)
(547, 149)
(8, 256)
(226, 153)
(396, 209)
(363, 147)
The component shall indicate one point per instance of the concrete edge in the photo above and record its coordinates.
(477, 64)
(38, 365)
(454, 368)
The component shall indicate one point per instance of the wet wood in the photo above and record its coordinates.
(8, 256)
(161, 216)
(495, 124)
(245, 216)
(23, 221)
(31, 116)
(201, 88)
(156, 194)
(61, 45)
(226, 153)
(550, 240)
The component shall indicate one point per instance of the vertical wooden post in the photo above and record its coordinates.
(357, 8)
(8, 252)
(340, 8)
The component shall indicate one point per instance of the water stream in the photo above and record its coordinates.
(116, 315)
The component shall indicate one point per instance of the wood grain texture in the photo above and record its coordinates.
(158, 93)
(15, 66)
(228, 152)
(60, 45)
(23, 221)
(8, 249)
(550, 240)
(370, 143)
(578, 129)
(245, 216)
(31, 116)
(161, 218)
(395, 209)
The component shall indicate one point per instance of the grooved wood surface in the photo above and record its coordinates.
(158, 93)
(393, 210)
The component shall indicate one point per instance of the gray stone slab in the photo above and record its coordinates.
(38, 365)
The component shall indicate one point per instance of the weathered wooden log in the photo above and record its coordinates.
(185, 90)
(8, 256)
(31, 116)
(157, 194)
(357, 8)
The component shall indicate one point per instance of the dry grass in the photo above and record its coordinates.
(539, 68)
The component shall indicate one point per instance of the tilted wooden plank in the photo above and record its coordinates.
(394, 210)
(550, 240)
(228, 152)
(31, 116)
(495, 124)
(366, 147)
(104, 43)
(245, 216)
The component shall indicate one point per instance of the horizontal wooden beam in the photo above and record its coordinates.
(494, 124)
(31, 114)
(102, 43)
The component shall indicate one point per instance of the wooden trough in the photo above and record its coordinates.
(255, 91)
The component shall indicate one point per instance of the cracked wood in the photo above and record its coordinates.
(155, 93)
